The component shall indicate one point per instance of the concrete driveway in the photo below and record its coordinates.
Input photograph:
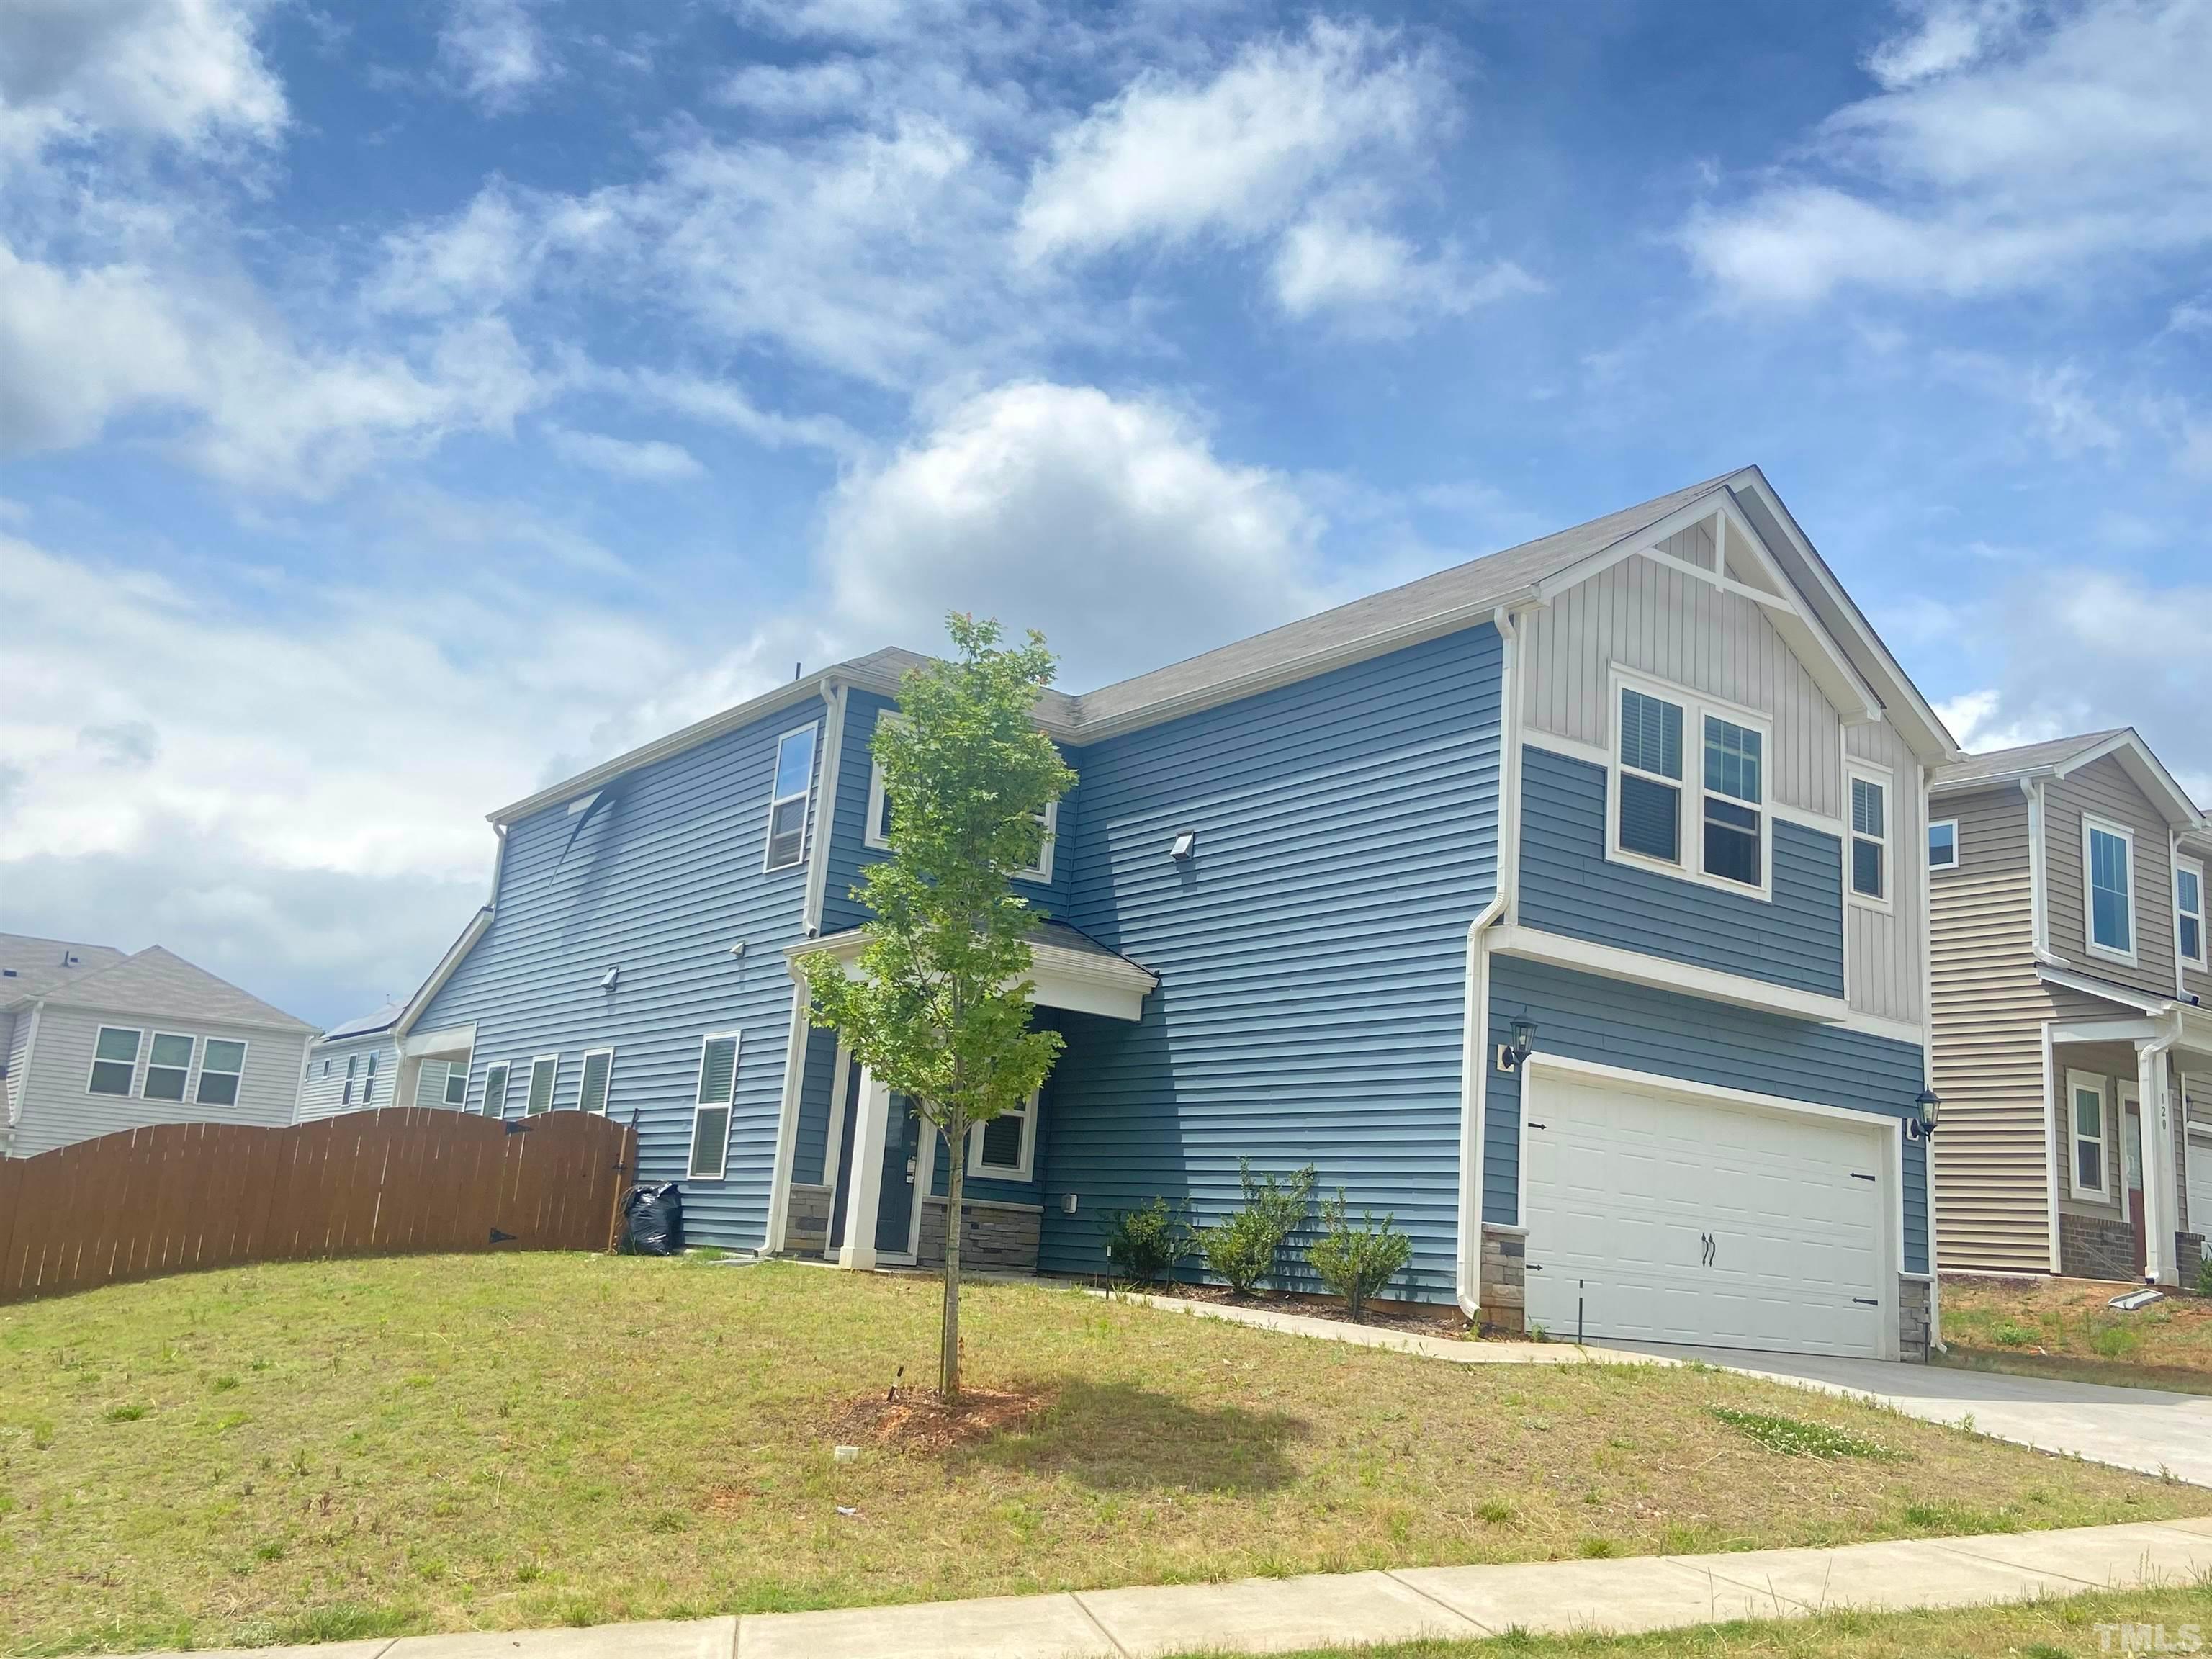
(2144, 1429)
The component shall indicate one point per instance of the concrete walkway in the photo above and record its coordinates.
(2143, 1429)
(1282, 1615)
(1457, 1350)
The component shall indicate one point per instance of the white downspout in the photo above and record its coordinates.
(1475, 1021)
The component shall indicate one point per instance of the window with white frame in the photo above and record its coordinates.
(457, 1082)
(1870, 873)
(877, 829)
(1943, 844)
(494, 1100)
(114, 1061)
(2108, 859)
(430, 1082)
(793, 792)
(2189, 911)
(716, 1093)
(543, 1071)
(368, 1080)
(1648, 807)
(2084, 1096)
(222, 1065)
(1004, 1146)
(1736, 786)
(1709, 823)
(168, 1066)
(346, 1092)
(599, 1074)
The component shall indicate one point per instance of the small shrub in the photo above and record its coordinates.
(1793, 1438)
(1242, 1250)
(2005, 1333)
(1145, 1246)
(2204, 1276)
(1357, 1261)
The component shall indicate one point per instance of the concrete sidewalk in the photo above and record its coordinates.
(1283, 1615)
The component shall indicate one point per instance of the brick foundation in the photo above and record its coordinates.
(1504, 1288)
(1912, 1320)
(999, 1237)
(2090, 1247)
(806, 1220)
(2188, 1251)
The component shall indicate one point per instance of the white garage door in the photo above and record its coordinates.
(2200, 1190)
(1678, 1219)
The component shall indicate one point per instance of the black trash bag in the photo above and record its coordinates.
(653, 1221)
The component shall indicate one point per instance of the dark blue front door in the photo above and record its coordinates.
(902, 1150)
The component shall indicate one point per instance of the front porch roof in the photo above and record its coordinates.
(1069, 969)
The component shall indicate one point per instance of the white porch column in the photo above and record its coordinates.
(864, 1185)
(2153, 1099)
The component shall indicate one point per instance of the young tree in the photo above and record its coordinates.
(938, 1007)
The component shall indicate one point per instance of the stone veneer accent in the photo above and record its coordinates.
(1001, 1237)
(806, 1220)
(2090, 1247)
(1503, 1289)
(1912, 1320)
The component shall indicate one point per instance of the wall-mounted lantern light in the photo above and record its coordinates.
(613, 978)
(1511, 1054)
(1184, 846)
(1928, 1109)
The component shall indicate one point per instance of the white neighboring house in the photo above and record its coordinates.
(98, 1040)
(381, 1059)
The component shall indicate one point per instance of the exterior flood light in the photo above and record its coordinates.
(1186, 843)
(1928, 1109)
(1511, 1054)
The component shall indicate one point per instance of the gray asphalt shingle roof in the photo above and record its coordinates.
(382, 1019)
(30, 965)
(2022, 759)
(154, 983)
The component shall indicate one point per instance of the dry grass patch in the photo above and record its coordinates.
(498, 1442)
(2065, 1327)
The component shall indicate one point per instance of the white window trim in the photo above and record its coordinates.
(2203, 960)
(505, 1070)
(137, 1054)
(146, 1071)
(1886, 780)
(728, 1107)
(2090, 822)
(345, 1093)
(2088, 1080)
(1020, 1172)
(1690, 808)
(368, 1081)
(461, 1071)
(244, 1049)
(604, 1105)
(1957, 848)
(1040, 871)
(812, 728)
(552, 1089)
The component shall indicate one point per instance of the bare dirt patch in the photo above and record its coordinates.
(923, 1420)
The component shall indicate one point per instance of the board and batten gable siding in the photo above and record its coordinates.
(325, 1096)
(1882, 952)
(1311, 955)
(1992, 1179)
(661, 883)
(1667, 1034)
(58, 1107)
(1569, 886)
(1670, 625)
(2103, 789)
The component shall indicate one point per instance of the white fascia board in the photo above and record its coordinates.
(2103, 990)
(1664, 974)
(1077, 981)
(2148, 771)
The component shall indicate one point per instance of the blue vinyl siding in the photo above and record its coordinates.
(1311, 955)
(1663, 1032)
(850, 855)
(811, 1143)
(1569, 886)
(661, 881)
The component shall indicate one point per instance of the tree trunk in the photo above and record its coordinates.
(948, 1359)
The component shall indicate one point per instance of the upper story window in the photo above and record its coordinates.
(345, 1090)
(494, 1100)
(223, 1064)
(114, 1061)
(877, 833)
(368, 1080)
(2189, 911)
(1943, 844)
(1710, 826)
(1870, 837)
(794, 793)
(2108, 859)
(167, 1067)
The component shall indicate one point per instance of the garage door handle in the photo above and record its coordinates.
(1866, 1302)
(1855, 1175)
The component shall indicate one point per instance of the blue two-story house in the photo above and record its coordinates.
(1647, 798)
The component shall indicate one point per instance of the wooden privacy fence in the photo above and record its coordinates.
(183, 1196)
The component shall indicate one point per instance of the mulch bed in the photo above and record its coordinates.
(921, 1419)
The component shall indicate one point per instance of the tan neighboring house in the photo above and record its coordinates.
(98, 1040)
(2073, 1012)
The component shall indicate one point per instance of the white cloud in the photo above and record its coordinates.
(798, 92)
(651, 461)
(1379, 279)
(1108, 523)
(182, 72)
(494, 51)
(1995, 159)
(719, 403)
(482, 256)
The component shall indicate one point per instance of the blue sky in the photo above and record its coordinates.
(403, 406)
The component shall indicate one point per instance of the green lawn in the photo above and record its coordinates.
(305, 1450)
(2058, 1629)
